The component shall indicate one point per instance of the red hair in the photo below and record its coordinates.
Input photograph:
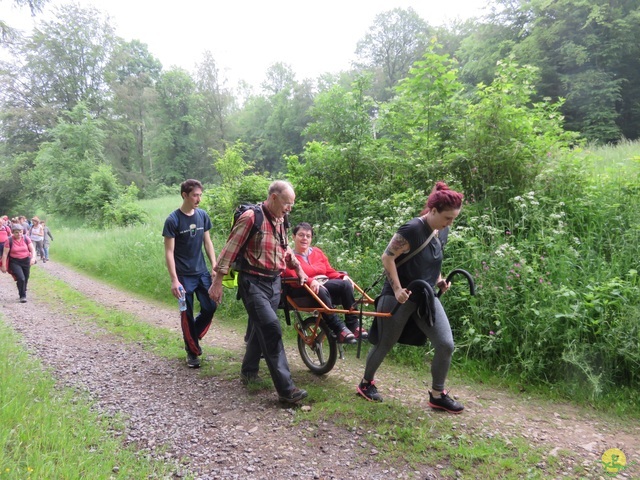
(443, 198)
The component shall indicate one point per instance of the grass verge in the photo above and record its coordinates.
(49, 432)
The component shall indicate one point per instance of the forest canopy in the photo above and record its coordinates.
(156, 127)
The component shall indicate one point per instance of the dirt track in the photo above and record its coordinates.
(214, 429)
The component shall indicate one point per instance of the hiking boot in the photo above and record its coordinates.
(369, 391)
(445, 402)
(23, 299)
(345, 336)
(192, 360)
(361, 332)
(294, 396)
(252, 377)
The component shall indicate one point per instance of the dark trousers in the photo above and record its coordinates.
(261, 296)
(21, 268)
(333, 292)
(194, 328)
(39, 246)
(341, 292)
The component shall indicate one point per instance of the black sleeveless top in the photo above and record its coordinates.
(427, 264)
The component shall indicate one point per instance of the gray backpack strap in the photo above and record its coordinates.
(417, 250)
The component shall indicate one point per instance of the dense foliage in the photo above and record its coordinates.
(158, 125)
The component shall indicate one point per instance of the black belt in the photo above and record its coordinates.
(259, 276)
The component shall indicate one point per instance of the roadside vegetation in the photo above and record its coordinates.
(50, 432)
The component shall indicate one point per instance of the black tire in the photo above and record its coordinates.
(320, 357)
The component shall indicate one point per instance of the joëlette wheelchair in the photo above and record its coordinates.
(317, 344)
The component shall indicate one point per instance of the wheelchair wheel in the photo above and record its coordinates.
(317, 346)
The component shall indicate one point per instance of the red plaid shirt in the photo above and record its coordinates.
(264, 250)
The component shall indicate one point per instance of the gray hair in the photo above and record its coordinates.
(279, 186)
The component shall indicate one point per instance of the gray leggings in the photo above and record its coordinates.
(390, 330)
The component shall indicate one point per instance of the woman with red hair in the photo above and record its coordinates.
(421, 241)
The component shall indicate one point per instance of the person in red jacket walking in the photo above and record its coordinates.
(331, 286)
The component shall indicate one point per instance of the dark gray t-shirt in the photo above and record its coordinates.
(426, 264)
(188, 233)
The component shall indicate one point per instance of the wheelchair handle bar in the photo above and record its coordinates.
(422, 284)
(464, 273)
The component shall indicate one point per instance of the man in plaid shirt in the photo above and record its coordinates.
(260, 260)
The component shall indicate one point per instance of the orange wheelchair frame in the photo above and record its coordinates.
(317, 344)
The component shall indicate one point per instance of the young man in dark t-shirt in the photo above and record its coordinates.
(186, 231)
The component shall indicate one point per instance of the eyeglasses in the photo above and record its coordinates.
(286, 204)
(304, 235)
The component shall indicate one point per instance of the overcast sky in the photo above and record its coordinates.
(247, 36)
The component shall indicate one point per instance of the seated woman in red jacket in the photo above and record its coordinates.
(331, 286)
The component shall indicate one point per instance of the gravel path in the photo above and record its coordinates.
(212, 428)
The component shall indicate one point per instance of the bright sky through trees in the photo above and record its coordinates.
(247, 36)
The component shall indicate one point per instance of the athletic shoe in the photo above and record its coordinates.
(23, 299)
(369, 391)
(445, 402)
(358, 332)
(294, 396)
(345, 336)
(192, 360)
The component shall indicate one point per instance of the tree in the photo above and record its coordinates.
(272, 125)
(60, 65)
(69, 56)
(279, 76)
(344, 161)
(503, 139)
(419, 122)
(64, 166)
(175, 150)
(8, 33)
(396, 39)
(586, 52)
(575, 43)
(216, 105)
(132, 74)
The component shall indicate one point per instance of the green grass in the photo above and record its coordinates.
(49, 432)
(131, 258)
(619, 161)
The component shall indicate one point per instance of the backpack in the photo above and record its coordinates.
(230, 279)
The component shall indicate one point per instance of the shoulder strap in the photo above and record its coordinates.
(417, 250)
(277, 231)
(258, 218)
